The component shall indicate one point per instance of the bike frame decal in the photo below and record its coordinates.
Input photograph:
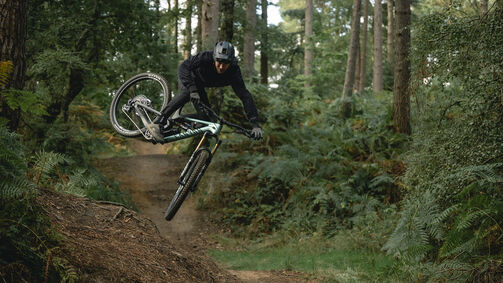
(213, 128)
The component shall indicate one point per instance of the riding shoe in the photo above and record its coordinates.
(155, 131)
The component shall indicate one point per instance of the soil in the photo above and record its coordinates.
(106, 242)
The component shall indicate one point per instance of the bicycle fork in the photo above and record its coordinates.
(193, 159)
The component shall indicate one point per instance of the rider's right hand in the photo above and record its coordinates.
(194, 97)
(256, 133)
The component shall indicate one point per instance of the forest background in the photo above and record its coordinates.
(383, 122)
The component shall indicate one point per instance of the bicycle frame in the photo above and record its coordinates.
(212, 128)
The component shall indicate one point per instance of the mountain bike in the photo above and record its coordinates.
(139, 101)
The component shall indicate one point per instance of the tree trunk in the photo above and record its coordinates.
(249, 38)
(308, 45)
(199, 28)
(389, 50)
(264, 68)
(209, 24)
(401, 95)
(377, 80)
(357, 68)
(349, 79)
(176, 14)
(227, 28)
(363, 49)
(187, 46)
(13, 20)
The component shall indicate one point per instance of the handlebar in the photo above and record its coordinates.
(237, 128)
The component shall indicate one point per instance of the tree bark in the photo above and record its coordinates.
(249, 38)
(227, 28)
(210, 24)
(199, 28)
(377, 80)
(13, 27)
(389, 42)
(401, 90)
(308, 45)
(175, 26)
(264, 45)
(187, 46)
(347, 93)
(363, 49)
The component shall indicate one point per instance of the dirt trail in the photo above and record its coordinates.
(150, 176)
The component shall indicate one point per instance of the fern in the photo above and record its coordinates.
(6, 68)
(420, 221)
(45, 166)
(15, 189)
(76, 184)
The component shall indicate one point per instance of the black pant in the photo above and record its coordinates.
(181, 99)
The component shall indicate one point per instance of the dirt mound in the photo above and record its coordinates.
(151, 177)
(109, 243)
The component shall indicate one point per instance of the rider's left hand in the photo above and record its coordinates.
(256, 133)
(195, 98)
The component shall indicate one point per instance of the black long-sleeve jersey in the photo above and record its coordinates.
(199, 71)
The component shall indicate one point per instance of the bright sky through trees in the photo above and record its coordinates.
(273, 14)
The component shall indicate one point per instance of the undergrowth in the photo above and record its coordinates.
(60, 161)
(322, 174)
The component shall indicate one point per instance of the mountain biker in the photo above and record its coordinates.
(215, 68)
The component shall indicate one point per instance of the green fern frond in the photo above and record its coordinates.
(6, 68)
(486, 173)
(45, 163)
(77, 182)
(15, 189)
(383, 179)
(470, 219)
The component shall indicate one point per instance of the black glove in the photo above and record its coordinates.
(256, 132)
(194, 98)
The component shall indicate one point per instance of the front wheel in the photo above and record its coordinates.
(150, 89)
(188, 182)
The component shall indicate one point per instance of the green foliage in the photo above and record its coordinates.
(316, 173)
(6, 69)
(25, 101)
(450, 225)
(27, 240)
(13, 183)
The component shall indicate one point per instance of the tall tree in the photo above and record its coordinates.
(349, 78)
(264, 65)
(175, 15)
(13, 24)
(187, 46)
(308, 46)
(363, 49)
(249, 37)
(401, 95)
(377, 78)
(227, 26)
(389, 50)
(210, 23)
(199, 28)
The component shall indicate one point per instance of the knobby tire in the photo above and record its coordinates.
(189, 180)
(117, 117)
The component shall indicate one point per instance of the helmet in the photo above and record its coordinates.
(224, 52)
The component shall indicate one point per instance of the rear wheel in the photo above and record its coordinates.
(188, 182)
(148, 88)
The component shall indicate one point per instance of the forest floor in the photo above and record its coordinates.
(106, 242)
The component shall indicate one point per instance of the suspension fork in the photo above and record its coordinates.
(192, 159)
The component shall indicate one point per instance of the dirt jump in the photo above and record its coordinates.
(107, 242)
